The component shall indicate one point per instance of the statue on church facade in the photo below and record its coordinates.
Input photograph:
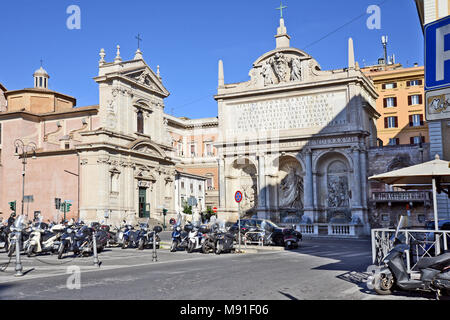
(296, 73)
(267, 74)
(280, 66)
(291, 190)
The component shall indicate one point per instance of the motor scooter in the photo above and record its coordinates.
(196, 238)
(179, 236)
(145, 236)
(42, 240)
(290, 238)
(434, 272)
(224, 239)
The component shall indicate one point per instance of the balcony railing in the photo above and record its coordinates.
(400, 196)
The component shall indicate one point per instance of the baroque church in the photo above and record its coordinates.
(294, 139)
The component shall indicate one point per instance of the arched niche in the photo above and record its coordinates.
(333, 187)
(244, 174)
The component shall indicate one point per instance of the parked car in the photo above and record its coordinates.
(278, 233)
(442, 225)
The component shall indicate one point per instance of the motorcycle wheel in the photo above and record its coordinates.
(190, 247)
(386, 285)
(173, 246)
(61, 251)
(205, 248)
(12, 248)
(30, 250)
(141, 244)
(218, 248)
(124, 244)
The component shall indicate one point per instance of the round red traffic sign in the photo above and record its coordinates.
(215, 209)
(238, 196)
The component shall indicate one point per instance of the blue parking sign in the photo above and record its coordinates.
(437, 54)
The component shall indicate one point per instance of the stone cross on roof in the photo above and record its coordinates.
(139, 39)
(281, 9)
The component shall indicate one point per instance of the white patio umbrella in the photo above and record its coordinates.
(421, 176)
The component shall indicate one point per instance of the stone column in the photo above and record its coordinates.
(308, 187)
(364, 180)
(356, 192)
(261, 210)
(222, 183)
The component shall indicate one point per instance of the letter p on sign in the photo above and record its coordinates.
(437, 54)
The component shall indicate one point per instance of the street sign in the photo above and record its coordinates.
(238, 196)
(437, 104)
(437, 54)
(192, 201)
(28, 199)
(215, 209)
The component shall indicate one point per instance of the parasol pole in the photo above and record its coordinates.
(436, 226)
(436, 220)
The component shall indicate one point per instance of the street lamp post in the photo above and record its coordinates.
(24, 150)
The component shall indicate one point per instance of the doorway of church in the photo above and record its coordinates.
(144, 207)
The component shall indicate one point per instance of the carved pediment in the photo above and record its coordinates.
(282, 66)
(147, 147)
(147, 78)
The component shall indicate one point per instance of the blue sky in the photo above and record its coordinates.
(187, 38)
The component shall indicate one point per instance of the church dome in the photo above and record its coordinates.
(41, 78)
(40, 72)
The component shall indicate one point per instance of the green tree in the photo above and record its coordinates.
(187, 208)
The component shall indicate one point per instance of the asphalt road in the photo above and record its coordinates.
(319, 269)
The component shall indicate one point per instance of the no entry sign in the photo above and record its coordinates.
(238, 196)
(215, 209)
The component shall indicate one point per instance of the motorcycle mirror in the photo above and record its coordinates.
(157, 229)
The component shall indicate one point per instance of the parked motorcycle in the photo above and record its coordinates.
(434, 272)
(179, 236)
(291, 239)
(196, 238)
(145, 236)
(18, 229)
(67, 241)
(219, 240)
(43, 240)
(112, 235)
(4, 235)
(130, 237)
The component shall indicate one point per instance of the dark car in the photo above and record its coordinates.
(278, 232)
(443, 225)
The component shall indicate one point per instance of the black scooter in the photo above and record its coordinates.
(434, 272)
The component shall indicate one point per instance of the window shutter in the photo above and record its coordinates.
(423, 139)
(408, 83)
(409, 101)
(395, 101)
(396, 122)
(385, 122)
(420, 99)
(421, 120)
(397, 141)
(411, 140)
(420, 82)
(385, 102)
(411, 120)
(395, 85)
(383, 86)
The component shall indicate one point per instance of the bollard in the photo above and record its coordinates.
(95, 249)
(19, 268)
(154, 255)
